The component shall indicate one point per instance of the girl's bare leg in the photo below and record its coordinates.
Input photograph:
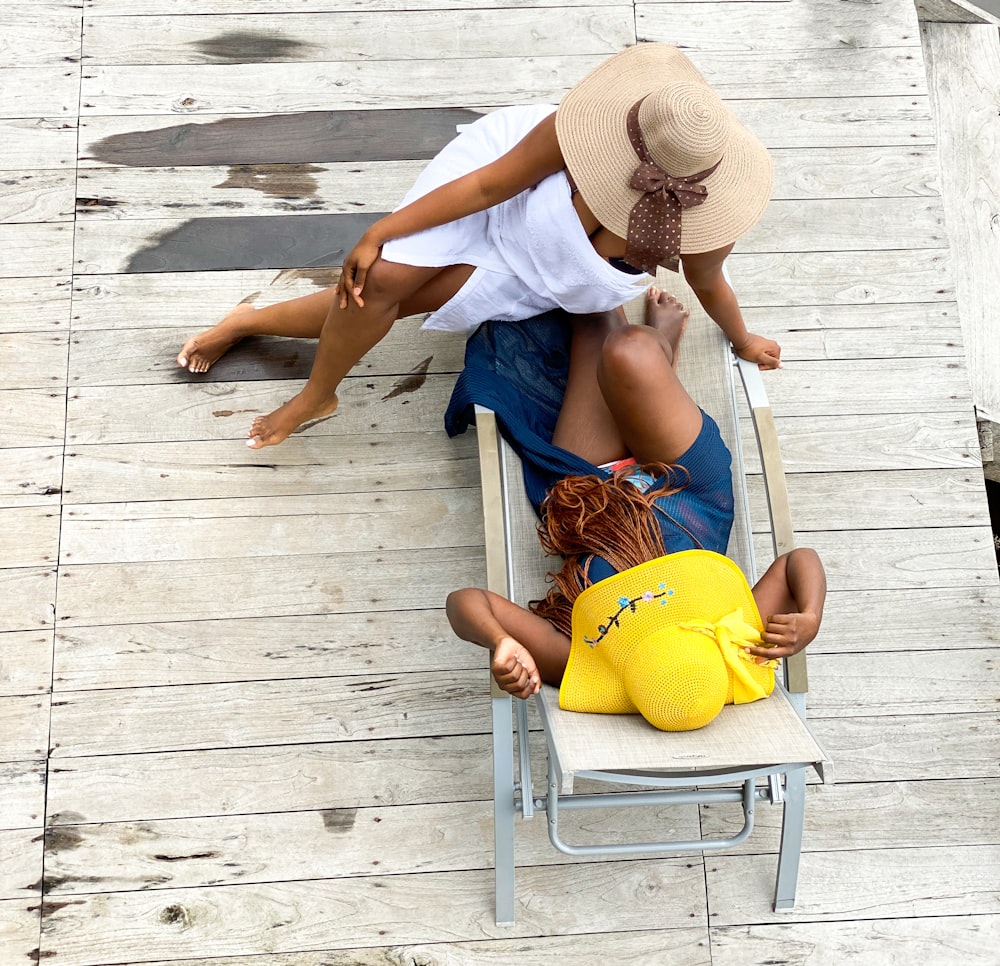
(300, 318)
(347, 334)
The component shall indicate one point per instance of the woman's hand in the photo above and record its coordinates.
(514, 669)
(355, 269)
(787, 634)
(765, 352)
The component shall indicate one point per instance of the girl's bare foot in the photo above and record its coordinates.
(669, 317)
(276, 427)
(205, 349)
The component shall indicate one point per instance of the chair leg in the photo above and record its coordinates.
(503, 809)
(792, 823)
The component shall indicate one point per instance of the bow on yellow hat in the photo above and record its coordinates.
(665, 639)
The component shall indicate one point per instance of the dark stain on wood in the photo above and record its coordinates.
(288, 181)
(339, 819)
(175, 915)
(280, 241)
(412, 382)
(36, 955)
(309, 137)
(62, 838)
(183, 858)
(51, 906)
(251, 47)
(320, 277)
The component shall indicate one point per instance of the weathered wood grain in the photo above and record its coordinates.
(107, 8)
(32, 417)
(27, 598)
(34, 304)
(331, 464)
(47, 35)
(20, 860)
(29, 92)
(33, 360)
(606, 897)
(245, 587)
(24, 727)
(36, 196)
(963, 62)
(283, 526)
(939, 941)
(25, 662)
(190, 409)
(37, 142)
(256, 649)
(36, 249)
(20, 921)
(23, 802)
(323, 36)
(29, 536)
(32, 476)
(327, 844)
(872, 815)
(875, 883)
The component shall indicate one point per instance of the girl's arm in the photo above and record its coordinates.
(790, 598)
(704, 274)
(531, 160)
(526, 648)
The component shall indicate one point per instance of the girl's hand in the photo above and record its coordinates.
(787, 634)
(765, 352)
(514, 669)
(354, 271)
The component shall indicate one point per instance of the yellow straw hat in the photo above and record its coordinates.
(665, 639)
(686, 131)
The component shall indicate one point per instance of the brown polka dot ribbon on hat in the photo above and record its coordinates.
(654, 224)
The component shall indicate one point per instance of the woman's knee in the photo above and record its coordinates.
(629, 349)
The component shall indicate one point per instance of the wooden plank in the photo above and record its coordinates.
(47, 35)
(29, 92)
(940, 940)
(902, 559)
(282, 526)
(685, 947)
(232, 781)
(607, 897)
(257, 649)
(328, 844)
(36, 249)
(878, 331)
(225, 410)
(36, 196)
(22, 804)
(934, 498)
(29, 536)
(918, 748)
(951, 11)
(873, 815)
(34, 417)
(768, 27)
(911, 619)
(24, 727)
(33, 360)
(323, 36)
(25, 662)
(113, 357)
(307, 137)
(20, 864)
(108, 8)
(330, 464)
(875, 883)
(897, 441)
(37, 142)
(20, 924)
(244, 587)
(32, 476)
(903, 683)
(963, 62)
(27, 598)
(34, 304)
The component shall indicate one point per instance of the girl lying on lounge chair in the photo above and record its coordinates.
(645, 614)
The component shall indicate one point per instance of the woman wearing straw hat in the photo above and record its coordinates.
(646, 613)
(532, 208)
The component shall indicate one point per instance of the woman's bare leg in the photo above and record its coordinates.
(299, 318)
(348, 333)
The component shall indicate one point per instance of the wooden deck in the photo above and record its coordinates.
(234, 726)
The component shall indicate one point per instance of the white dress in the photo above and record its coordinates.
(530, 253)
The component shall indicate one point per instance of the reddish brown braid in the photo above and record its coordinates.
(613, 518)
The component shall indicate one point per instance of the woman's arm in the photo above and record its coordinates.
(526, 648)
(532, 159)
(704, 274)
(790, 598)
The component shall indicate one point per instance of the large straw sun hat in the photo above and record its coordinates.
(686, 130)
(666, 639)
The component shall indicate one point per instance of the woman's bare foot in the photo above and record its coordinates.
(276, 427)
(205, 349)
(669, 317)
